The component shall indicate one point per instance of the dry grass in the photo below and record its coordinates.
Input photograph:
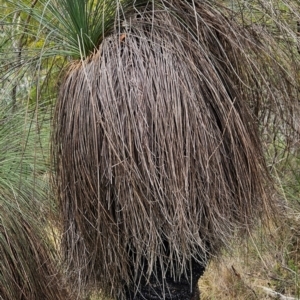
(27, 268)
(269, 259)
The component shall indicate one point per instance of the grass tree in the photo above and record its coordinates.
(163, 111)
(28, 260)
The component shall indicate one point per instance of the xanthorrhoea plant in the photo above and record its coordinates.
(157, 144)
(28, 262)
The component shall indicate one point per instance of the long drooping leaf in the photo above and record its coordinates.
(159, 156)
(160, 126)
(28, 260)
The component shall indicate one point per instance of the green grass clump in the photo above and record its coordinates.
(28, 260)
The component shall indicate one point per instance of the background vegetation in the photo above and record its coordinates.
(265, 266)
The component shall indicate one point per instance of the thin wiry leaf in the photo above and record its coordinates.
(158, 154)
(27, 266)
(28, 269)
(160, 128)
